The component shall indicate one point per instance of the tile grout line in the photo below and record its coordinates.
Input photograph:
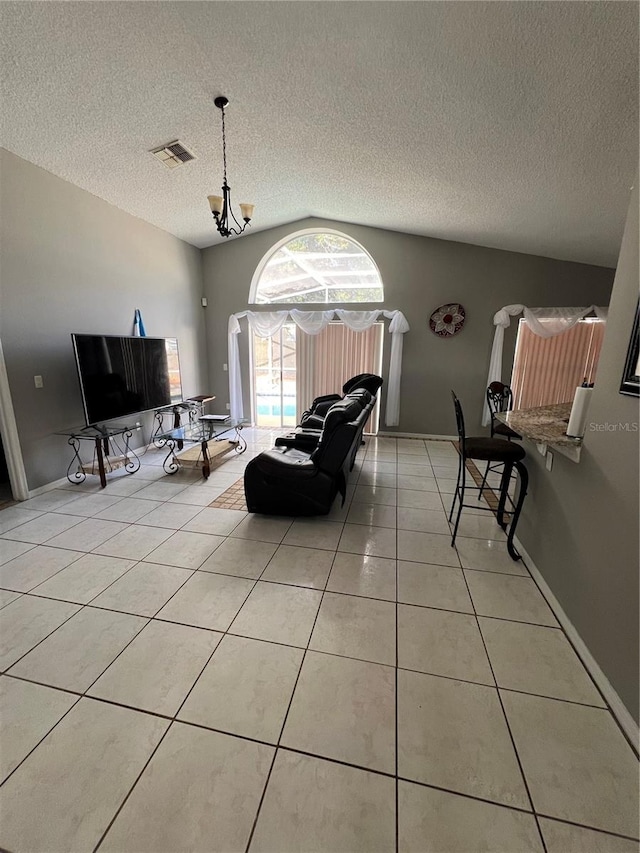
(511, 736)
(5, 671)
(241, 538)
(196, 626)
(632, 745)
(173, 719)
(397, 784)
(200, 627)
(334, 760)
(568, 639)
(130, 791)
(81, 694)
(284, 721)
(91, 600)
(80, 554)
(316, 651)
(94, 517)
(46, 734)
(83, 606)
(88, 606)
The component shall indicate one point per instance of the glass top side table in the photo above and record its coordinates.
(212, 437)
(106, 439)
(193, 407)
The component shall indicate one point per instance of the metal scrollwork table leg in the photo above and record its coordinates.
(79, 475)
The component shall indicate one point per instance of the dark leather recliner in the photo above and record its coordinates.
(290, 481)
(314, 417)
(306, 438)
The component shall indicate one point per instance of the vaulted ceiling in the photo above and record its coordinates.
(505, 124)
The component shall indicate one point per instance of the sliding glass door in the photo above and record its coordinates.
(291, 368)
(274, 378)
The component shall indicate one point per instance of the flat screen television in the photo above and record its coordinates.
(122, 376)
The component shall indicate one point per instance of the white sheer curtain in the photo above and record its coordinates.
(556, 321)
(267, 323)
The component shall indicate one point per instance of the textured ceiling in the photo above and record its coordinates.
(506, 124)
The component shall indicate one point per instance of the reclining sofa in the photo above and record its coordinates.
(307, 434)
(293, 481)
(314, 417)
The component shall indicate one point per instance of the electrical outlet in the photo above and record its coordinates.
(37, 381)
(228, 406)
(225, 367)
(549, 461)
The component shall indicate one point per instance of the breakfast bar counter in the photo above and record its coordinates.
(544, 425)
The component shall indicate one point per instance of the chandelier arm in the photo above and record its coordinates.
(230, 210)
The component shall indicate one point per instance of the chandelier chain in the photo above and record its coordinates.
(224, 148)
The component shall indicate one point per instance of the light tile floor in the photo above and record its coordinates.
(182, 678)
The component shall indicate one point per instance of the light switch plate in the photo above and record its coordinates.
(37, 381)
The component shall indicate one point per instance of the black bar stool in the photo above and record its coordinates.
(499, 399)
(490, 450)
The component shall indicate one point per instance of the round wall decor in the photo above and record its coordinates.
(447, 320)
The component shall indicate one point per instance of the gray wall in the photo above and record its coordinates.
(419, 274)
(580, 521)
(73, 263)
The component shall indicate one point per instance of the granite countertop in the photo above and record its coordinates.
(544, 425)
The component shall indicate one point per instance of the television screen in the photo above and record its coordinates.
(122, 376)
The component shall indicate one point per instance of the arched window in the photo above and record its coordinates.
(316, 267)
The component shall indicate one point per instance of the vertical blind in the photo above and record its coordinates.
(325, 362)
(548, 370)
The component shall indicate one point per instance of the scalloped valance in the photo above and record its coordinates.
(268, 323)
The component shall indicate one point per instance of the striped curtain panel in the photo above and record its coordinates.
(325, 362)
(548, 370)
(305, 367)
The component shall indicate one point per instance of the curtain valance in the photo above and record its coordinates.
(268, 323)
(545, 322)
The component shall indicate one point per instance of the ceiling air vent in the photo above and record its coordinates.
(173, 154)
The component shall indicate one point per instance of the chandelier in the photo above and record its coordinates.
(221, 204)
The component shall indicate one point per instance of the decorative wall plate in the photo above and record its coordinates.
(447, 320)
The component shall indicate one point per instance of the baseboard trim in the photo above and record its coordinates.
(40, 490)
(615, 703)
(423, 435)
